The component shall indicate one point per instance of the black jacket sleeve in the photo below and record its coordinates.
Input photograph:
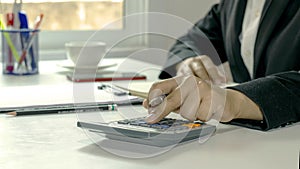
(205, 38)
(278, 97)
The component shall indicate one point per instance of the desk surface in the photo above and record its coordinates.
(54, 141)
(51, 72)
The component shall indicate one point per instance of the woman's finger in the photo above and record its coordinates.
(172, 102)
(212, 70)
(189, 107)
(212, 102)
(198, 69)
(162, 88)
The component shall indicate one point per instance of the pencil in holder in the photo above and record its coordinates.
(20, 51)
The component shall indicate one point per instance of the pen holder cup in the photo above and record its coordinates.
(20, 51)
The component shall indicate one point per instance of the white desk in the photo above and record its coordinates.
(52, 73)
(54, 141)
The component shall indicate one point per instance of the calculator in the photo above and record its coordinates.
(167, 132)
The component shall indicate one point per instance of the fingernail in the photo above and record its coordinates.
(157, 101)
(150, 118)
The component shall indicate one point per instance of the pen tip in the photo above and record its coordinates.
(12, 113)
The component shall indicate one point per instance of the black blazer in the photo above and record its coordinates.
(276, 84)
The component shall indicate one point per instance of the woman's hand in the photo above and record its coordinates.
(202, 67)
(196, 99)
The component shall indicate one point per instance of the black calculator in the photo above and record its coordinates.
(167, 132)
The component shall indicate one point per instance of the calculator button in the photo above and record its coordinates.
(123, 122)
(198, 122)
(164, 126)
(142, 122)
(177, 123)
(176, 128)
(134, 123)
(156, 126)
(192, 125)
(144, 125)
(163, 122)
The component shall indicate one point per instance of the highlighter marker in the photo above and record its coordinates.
(10, 24)
(9, 42)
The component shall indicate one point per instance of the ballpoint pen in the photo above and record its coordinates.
(25, 36)
(31, 38)
(17, 7)
(116, 91)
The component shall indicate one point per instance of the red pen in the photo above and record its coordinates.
(10, 24)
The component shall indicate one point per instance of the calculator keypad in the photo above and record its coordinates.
(165, 124)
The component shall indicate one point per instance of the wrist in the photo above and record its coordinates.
(246, 108)
(233, 104)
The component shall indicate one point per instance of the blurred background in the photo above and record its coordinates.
(74, 20)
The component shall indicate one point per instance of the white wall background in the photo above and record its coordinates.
(191, 10)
